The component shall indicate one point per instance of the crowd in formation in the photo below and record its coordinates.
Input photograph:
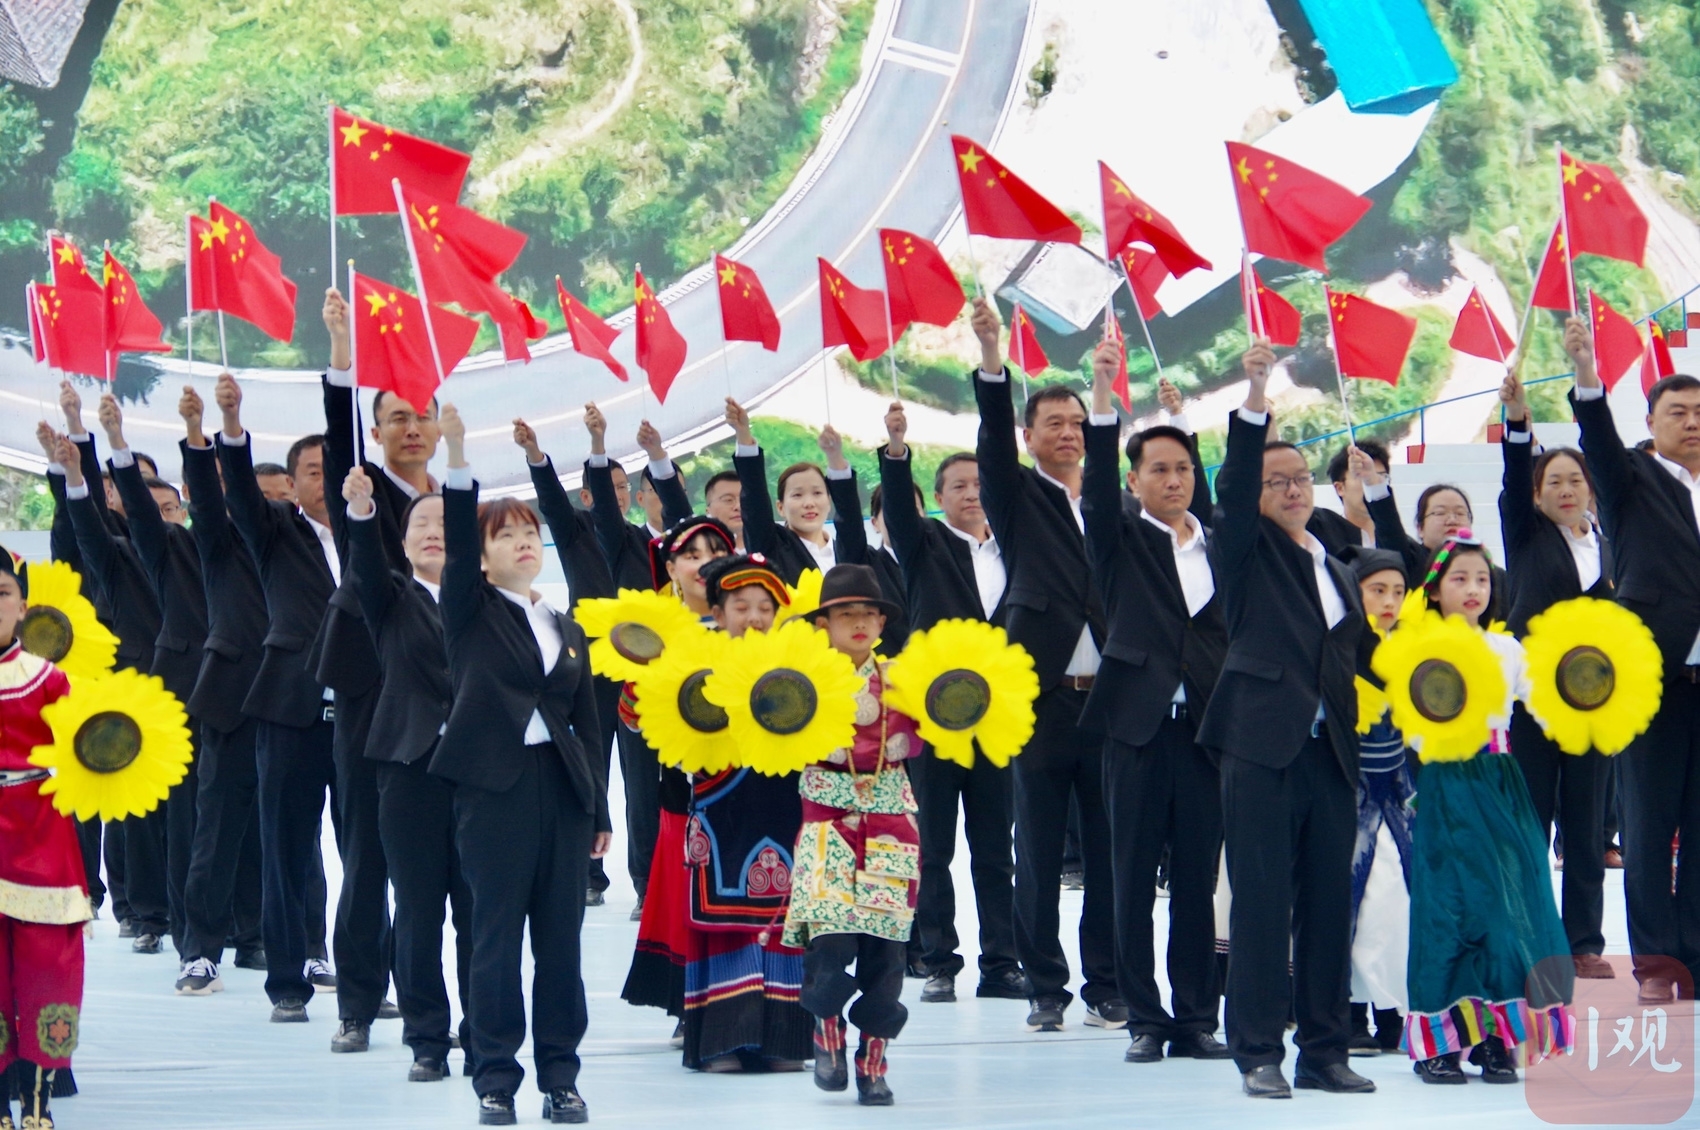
(1205, 729)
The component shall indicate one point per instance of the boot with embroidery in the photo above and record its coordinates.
(830, 1070)
(32, 1104)
(871, 1088)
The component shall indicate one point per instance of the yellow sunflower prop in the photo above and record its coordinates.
(1443, 682)
(789, 698)
(685, 729)
(1595, 675)
(955, 705)
(1372, 703)
(805, 594)
(633, 629)
(119, 744)
(60, 625)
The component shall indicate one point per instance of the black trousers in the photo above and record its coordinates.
(1661, 799)
(608, 719)
(221, 900)
(1061, 762)
(417, 821)
(525, 854)
(1290, 836)
(1574, 790)
(1166, 793)
(112, 854)
(361, 937)
(179, 843)
(987, 799)
(88, 838)
(641, 773)
(828, 985)
(295, 771)
(145, 871)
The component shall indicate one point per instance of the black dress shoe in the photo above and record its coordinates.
(1492, 1056)
(1198, 1045)
(251, 959)
(873, 1091)
(496, 1109)
(1266, 1082)
(1655, 990)
(1335, 1078)
(388, 1011)
(637, 911)
(1010, 985)
(1442, 1069)
(146, 943)
(593, 897)
(564, 1104)
(427, 1069)
(289, 1011)
(127, 928)
(939, 989)
(1146, 1048)
(916, 970)
(352, 1036)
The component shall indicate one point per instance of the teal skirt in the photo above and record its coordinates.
(1489, 957)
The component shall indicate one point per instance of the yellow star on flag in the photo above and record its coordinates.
(728, 275)
(221, 230)
(352, 133)
(67, 255)
(1572, 169)
(970, 161)
(1121, 189)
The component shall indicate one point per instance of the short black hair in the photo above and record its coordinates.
(1436, 488)
(716, 479)
(1338, 465)
(1676, 382)
(270, 469)
(378, 401)
(950, 461)
(1281, 445)
(407, 513)
(154, 482)
(304, 444)
(876, 501)
(1137, 441)
(1047, 393)
(144, 457)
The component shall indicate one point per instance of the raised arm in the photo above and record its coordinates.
(62, 536)
(851, 547)
(148, 532)
(664, 477)
(95, 539)
(463, 552)
(1239, 484)
(341, 451)
(1390, 532)
(1608, 459)
(1517, 513)
(1000, 464)
(1175, 405)
(71, 403)
(552, 500)
(761, 535)
(1100, 489)
(904, 523)
(246, 505)
(374, 584)
(609, 519)
(208, 521)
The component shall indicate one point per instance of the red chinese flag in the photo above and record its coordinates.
(1000, 204)
(231, 270)
(1370, 341)
(1656, 363)
(366, 156)
(1280, 319)
(70, 270)
(745, 312)
(1119, 384)
(660, 347)
(1145, 273)
(1128, 219)
(1604, 218)
(70, 321)
(591, 335)
(130, 326)
(1029, 356)
(38, 335)
(850, 315)
(391, 349)
(1478, 333)
(1617, 343)
(1286, 210)
(1552, 281)
(523, 326)
(460, 253)
(920, 284)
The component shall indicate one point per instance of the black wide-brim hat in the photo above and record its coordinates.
(850, 584)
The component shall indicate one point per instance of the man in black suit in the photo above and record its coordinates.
(1355, 526)
(722, 499)
(1163, 652)
(953, 570)
(883, 561)
(295, 551)
(1283, 722)
(1650, 510)
(1055, 613)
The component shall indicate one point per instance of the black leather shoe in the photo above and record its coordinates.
(939, 989)
(1010, 985)
(564, 1104)
(1442, 1069)
(252, 959)
(1198, 1045)
(1046, 1015)
(1145, 1048)
(427, 1069)
(873, 1091)
(1654, 990)
(289, 1011)
(1266, 1082)
(637, 911)
(127, 928)
(1495, 1060)
(1335, 1078)
(146, 943)
(916, 970)
(496, 1109)
(388, 1011)
(593, 897)
(352, 1036)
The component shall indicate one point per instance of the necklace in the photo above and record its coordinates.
(863, 787)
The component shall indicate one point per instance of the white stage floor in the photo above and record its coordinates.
(150, 1058)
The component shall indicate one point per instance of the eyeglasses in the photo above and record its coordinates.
(1280, 484)
(1456, 515)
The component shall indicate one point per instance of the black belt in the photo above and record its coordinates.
(1688, 674)
(10, 777)
(1177, 711)
(1078, 682)
(328, 714)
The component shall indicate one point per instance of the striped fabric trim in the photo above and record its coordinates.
(1534, 1033)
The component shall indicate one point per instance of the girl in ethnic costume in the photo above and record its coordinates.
(858, 856)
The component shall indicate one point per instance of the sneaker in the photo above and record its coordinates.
(1046, 1015)
(939, 989)
(1074, 880)
(352, 1036)
(637, 911)
(1363, 1044)
(127, 928)
(318, 973)
(199, 978)
(1112, 1014)
(289, 1011)
(146, 943)
(593, 897)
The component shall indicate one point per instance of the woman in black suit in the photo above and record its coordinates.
(1554, 552)
(416, 822)
(531, 803)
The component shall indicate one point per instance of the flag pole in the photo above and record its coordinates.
(725, 345)
(330, 158)
(637, 312)
(354, 365)
(105, 311)
(1143, 324)
(223, 353)
(1339, 373)
(826, 382)
(1248, 287)
(189, 290)
(1564, 221)
(1020, 351)
(418, 281)
(974, 266)
(890, 343)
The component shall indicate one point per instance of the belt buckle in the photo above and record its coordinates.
(1316, 729)
(328, 714)
(1177, 710)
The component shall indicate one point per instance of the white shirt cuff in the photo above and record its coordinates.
(239, 441)
(1100, 421)
(835, 473)
(1179, 420)
(1256, 418)
(543, 462)
(55, 469)
(745, 450)
(997, 378)
(366, 517)
(123, 457)
(458, 478)
(1583, 392)
(83, 437)
(81, 490)
(1518, 432)
(1375, 492)
(595, 460)
(660, 468)
(341, 378)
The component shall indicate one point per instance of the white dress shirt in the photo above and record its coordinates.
(1085, 659)
(547, 632)
(1585, 550)
(990, 576)
(826, 556)
(1192, 564)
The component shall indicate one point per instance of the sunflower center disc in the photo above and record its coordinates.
(46, 632)
(635, 643)
(1586, 678)
(958, 699)
(699, 714)
(783, 701)
(1437, 690)
(107, 742)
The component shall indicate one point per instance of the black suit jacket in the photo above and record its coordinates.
(1283, 659)
(890, 575)
(574, 531)
(407, 631)
(236, 603)
(115, 570)
(62, 541)
(1335, 532)
(1390, 533)
(1536, 551)
(1649, 520)
(1050, 597)
(783, 546)
(297, 584)
(937, 565)
(167, 554)
(498, 678)
(625, 545)
(1153, 644)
